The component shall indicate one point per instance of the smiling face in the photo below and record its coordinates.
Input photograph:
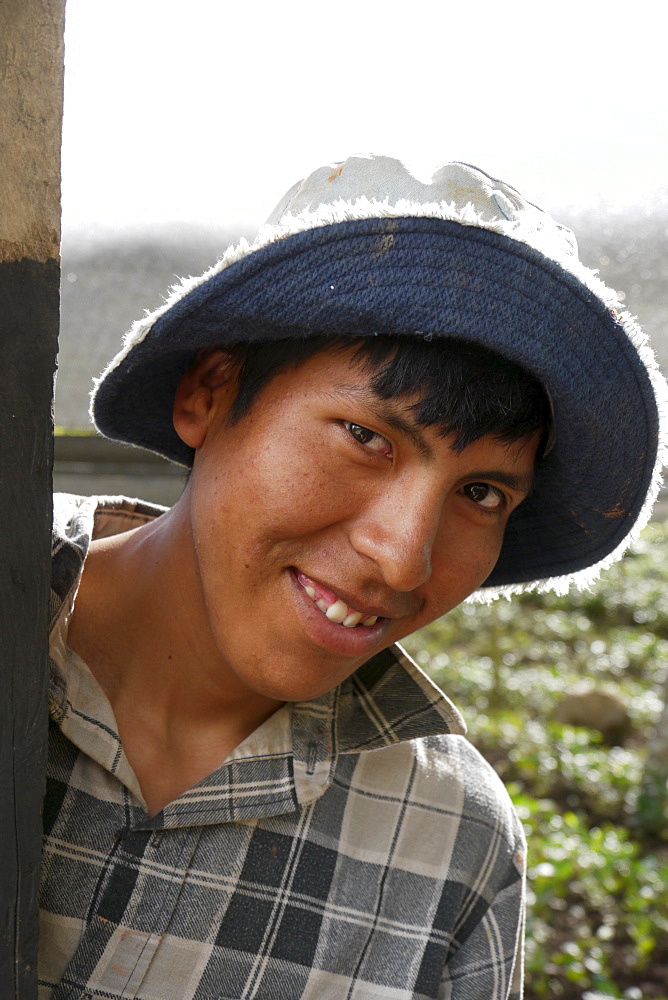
(326, 524)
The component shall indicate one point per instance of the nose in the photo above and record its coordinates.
(398, 532)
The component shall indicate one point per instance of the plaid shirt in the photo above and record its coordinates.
(355, 846)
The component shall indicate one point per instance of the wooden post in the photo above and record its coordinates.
(31, 84)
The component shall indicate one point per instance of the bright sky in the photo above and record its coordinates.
(208, 110)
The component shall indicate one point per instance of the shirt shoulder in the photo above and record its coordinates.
(452, 800)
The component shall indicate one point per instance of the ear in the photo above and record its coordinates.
(205, 388)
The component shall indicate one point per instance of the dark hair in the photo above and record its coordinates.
(465, 389)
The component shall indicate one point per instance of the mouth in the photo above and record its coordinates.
(334, 607)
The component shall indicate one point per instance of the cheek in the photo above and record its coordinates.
(301, 480)
(276, 489)
(461, 566)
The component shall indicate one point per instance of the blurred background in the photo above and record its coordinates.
(185, 123)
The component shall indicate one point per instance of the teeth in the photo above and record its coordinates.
(337, 612)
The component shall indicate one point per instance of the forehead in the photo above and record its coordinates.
(338, 368)
(340, 377)
(342, 373)
(453, 389)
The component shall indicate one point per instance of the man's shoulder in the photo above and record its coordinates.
(75, 516)
(444, 775)
(76, 521)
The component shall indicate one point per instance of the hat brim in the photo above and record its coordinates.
(431, 278)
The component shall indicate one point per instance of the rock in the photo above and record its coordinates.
(597, 709)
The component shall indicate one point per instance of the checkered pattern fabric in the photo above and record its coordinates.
(354, 847)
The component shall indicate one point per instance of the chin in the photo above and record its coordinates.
(290, 692)
(293, 688)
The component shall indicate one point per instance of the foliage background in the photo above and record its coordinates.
(595, 814)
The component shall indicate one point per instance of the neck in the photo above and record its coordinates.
(140, 624)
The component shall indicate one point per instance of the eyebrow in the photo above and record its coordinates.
(388, 413)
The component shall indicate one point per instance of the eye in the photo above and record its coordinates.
(485, 495)
(376, 442)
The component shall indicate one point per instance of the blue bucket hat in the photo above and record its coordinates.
(364, 248)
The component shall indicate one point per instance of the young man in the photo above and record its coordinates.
(402, 393)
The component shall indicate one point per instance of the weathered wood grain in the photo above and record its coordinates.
(31, 72)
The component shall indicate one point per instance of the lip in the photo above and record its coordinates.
(358, 642)
(379, 610)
